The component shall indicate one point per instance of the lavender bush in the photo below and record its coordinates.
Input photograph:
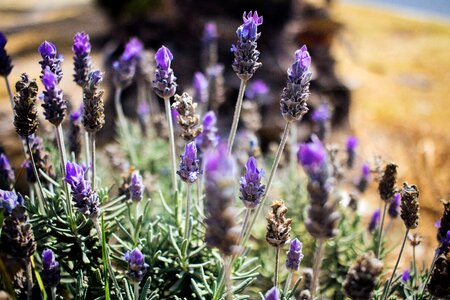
(125, 226)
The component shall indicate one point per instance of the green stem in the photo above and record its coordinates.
(416, 278)
(187, 224)
(269, 182)
(277, 265)
(92, 150)
(292, 153)
(288, 283)
(36, 174)
(86, 148)
(237, 113)
(227, 279)
(429, 275)
(244, 223)
(316, 268)
(171, 143)
(396, 265)
(136, 290)
(10, 95)
(380, 235)
(53, 291)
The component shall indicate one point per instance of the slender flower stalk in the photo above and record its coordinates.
(36, 175)
(317, 266)
(5, 66)
(237, 113)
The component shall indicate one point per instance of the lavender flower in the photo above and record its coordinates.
(54, 104)
(25, 112)
(313, 157)
(293, 99)
(17, 234)
(352, 142)
(321, 116)
(93, 108)
(256, 88)
(394, 206)
(125, 66)
(133, 50)
(246, 56)
(201, 88)
(136, 187)
(272, 294)
(405, 276)
(164, 83)
(7, 177)
(82, 62)
(50, 60)
(363, 181)
(9, 200)
(444, 222)
(374, 221)
(294, 255)
(136, 265)
(75, 132)
(208, 139)
(189, 164)
(209, 33)
(5, 60)
(51, 274)
(251, 187)
(85, 198)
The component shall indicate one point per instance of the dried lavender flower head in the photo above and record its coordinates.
(374, 221)
(294, 96)
(5, 60)
(410, 206)
(9, 200)
(272, 294)
(387, 185)
(246, 56)
(137, 268)
(93, 107)
(394, 206)
(25, 112)
(7, 177)
(444, 222)
(54, 104)
(164, 83)
(136, 187)
(278, 226)
(189, 164)
(200, 84)
(51, 274)
(294, 255)
(82, 62)
(17, 233)
(251, 187)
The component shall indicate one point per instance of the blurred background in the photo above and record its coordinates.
(382, 65)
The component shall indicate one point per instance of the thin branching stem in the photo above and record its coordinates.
(277, 264)
(187, 223)
(380, 234)
(396, 265)
(269, 182)
(244, 224)
(10, 95)
(87, 152)
(171, 144)
(237, 113)
(287, 284)
(316, 267)
(36, 174)
(92, 150)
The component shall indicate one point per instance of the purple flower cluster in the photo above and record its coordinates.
(321, 114)
(272, 294)
(209, 33)
(189, 164)
(81, 60)
(251, 188)
(125, 66)
(5, 60)
(85, 198)
(7, 177)
(136, 265)
(313, 158)
(299, 71)
(208, 139)
(164, 83)
(256, 88)
(9, 200)
(405, 275)
(352, 143)
(363, 181)
(51, 273)
(394, 206)
(294, 255)
(200, 88)
(136, 187)
(374, 221)
(50, 60)
(54, 104)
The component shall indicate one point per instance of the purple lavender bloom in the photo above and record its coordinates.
(136, 265)
(200, 87)
(374, 221)
(82, 62)
(136, 187)
(164, 83)
(189, 164)
(405, 276)
(5, 60)
(9, 200)
(143, 109)
(256, 88)
(313, 157)
(248, 30)
(133, 50)
(123, 73)
(29, 172)
(272, 294)
(363, 181)
(50, 59)
(251, 187)
(54, 104)
(208, 138)
(352, 143)
(437, 224)
(299, 71)
(75, 116)
(51, 274)
(85, 198)
(209, 33)
(294, 255)
(7, 177)
(321, 114)
(394, 206)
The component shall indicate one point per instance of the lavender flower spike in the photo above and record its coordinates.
(352, 143)
(394, 206)
(50, 59)
(200, 87)
(251, 187)
(9, 200)
(294, 255)
(5, 60)
(293, 99)
(313, 158)
(405, 276)
(256, 88)
(208, 139)
(374, 221)
(189, 164)
(54, 104)
(164, 83)
(85, 198)
(272, 294)
(7, 177)
(363, 181)
(136, 187)
(51, 274)
(246, 56)
(81, 60)
(136, 265)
